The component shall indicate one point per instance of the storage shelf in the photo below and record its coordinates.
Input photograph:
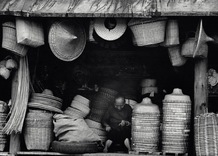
(44, 153)
(39, 153)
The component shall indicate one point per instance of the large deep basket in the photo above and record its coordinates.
(206, 136)
(38, 131)
(148, 32)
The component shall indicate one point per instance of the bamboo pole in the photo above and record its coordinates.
(200, 85)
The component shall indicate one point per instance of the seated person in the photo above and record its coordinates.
(117, 121)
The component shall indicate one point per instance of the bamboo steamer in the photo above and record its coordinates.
(172, 33)
(145, 126)
(175, 56)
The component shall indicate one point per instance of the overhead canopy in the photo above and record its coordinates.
(77, 8)
(187, 7)
(108, 8)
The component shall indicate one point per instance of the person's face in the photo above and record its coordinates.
(119, 103)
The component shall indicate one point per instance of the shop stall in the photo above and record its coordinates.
(63, 64)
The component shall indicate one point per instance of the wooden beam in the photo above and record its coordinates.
(200, 85)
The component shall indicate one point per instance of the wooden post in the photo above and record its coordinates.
(14, 138)
(200, 85)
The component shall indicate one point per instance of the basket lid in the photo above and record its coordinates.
(44, 106)
(110, 29)
(67, 39)
(177, 96)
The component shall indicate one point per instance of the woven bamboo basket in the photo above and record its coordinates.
(9, 41)
(148, 32)
(176, 57)
(29, 32)
(38, 130)
(206, 137)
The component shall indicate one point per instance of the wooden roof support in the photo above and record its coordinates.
(200, 85)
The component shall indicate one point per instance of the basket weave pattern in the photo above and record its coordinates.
(9, 41)
(38, 131)
(148, 33)
(206, 136)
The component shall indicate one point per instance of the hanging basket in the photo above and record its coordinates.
(29, 32)
(148, 32)
(9, 41)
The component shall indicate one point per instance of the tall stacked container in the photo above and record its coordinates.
(145, 127)
(176, 122)
(3, 116)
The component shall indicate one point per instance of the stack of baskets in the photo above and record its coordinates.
(79, 107)
(38, 130)
(176, 122)
(38, 126)
(3, 116)
(145, 127)
(206, 136)
(100, 103)
(46, 102)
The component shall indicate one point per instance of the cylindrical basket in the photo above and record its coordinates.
(148, 32)
(38, 130)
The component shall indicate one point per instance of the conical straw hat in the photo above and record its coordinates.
(67, 39)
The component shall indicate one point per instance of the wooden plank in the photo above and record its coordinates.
(187, 7)
(200, 85)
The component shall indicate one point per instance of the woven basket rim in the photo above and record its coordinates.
(134, 22)
(45, 107)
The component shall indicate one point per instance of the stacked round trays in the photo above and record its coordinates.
(99, 105)
(3, 116)
(79, 107)
(145, 127)
(176, 122)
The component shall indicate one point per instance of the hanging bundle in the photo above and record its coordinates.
(19, 99)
